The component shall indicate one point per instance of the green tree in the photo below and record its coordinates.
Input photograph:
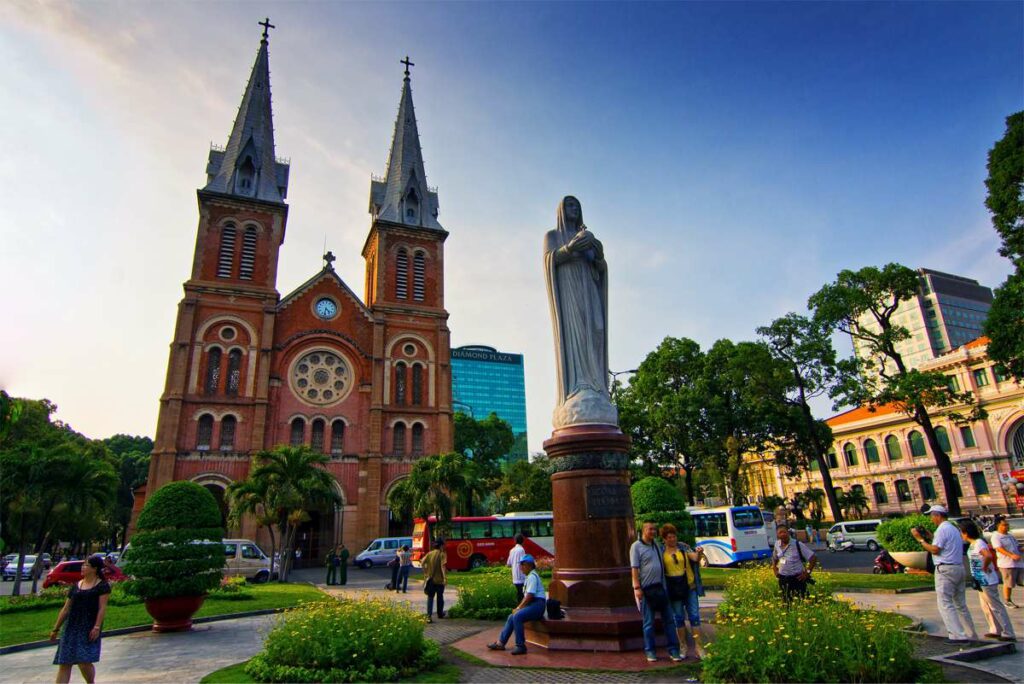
(487, 442)
(525, 486)
(296, 482)
(254, 498)
(854, 503)
(804, 346)
(131, 454)
(1004, 325)
(443, 486)
(1005, 198)
(863, 304)
(655, 494)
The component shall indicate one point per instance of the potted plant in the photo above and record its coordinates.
(895, 537)
(177, 554)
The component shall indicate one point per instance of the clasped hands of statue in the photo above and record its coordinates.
(581, 242)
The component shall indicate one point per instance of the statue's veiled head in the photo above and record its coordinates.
(570, 214)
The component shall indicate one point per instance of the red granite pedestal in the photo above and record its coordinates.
(593, 528)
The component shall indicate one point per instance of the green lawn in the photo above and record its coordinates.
(35, 625)
(235, 674)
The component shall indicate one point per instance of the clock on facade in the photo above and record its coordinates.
(326, 308)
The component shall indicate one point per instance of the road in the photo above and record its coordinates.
(844, 561)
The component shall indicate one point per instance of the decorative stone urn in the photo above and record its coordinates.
(918, 560)
(174, 613)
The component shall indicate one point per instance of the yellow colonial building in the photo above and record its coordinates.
(884, 453)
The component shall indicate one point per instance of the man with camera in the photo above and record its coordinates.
(947, 550)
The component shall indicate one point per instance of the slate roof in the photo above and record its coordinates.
(392, 197)
(252, 137)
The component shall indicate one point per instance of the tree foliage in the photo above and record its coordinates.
(487, 442)
(1004, 326)
(443, 486)
(656, 494)
(526, 486)
(1005, 185)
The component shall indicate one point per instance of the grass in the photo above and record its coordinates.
(236, 674)
(35, 625)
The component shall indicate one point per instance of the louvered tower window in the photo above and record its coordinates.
(204, 433)
(317, 438)
(402, 274)
(338, 437)
(248, 254)
(418, 275)
(213, 371)
(234, 372)
(227, 433)
(226, 258)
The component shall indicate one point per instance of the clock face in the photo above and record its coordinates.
(326, 308)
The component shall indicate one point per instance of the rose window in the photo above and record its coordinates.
(321, 377)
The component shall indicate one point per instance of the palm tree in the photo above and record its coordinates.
(252, 498)
(441, 486)
(855, 501)
(295, 482)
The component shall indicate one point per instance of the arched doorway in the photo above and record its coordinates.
(321, 532)
(1015, 444)
(216, 484)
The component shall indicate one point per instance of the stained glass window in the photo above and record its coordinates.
(234, 372)
(316, 441)
(417, 385)
(417, 439)
(400, 384)
(298, 436)
(227, 433)
(398, 439)
(213, 371)
(338, 437)
(204, 432)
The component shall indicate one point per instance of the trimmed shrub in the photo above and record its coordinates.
(366, 640)
(177, 549)
(818, 639)
(894, 535)
(490, 596)
(655, 494)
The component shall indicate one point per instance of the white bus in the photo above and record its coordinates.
(731, 534)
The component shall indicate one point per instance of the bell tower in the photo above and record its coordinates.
(214, 404)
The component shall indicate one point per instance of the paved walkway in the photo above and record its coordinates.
(922, 607)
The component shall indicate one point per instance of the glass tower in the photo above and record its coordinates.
(485, 381)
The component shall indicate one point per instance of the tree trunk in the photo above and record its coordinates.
(830, 492)
(689, 487)
(942, 460)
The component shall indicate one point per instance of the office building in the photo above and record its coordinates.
(485, 381)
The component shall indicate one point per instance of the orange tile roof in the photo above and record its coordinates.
(862, 413)
(977, 342)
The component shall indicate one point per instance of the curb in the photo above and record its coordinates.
(971, 658)
(16, 648)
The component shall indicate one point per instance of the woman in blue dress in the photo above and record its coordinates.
(82, 617)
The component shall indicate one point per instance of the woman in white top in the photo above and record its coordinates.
(986, 580)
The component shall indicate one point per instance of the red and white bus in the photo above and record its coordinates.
(478, 541)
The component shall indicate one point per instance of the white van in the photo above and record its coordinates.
(242, 558)
(860, 532)
(381, 550)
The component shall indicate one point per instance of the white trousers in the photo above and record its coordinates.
(995, 612)
(951, 595)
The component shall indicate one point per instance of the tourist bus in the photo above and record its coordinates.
(730, 534)
(483, 540)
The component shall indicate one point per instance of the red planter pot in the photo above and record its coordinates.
(173, 614)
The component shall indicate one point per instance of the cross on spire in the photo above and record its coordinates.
(329, 259)
(266, 27)
(407, 64)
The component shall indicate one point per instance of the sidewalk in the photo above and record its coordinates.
(923, 608)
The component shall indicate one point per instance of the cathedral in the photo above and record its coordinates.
(365, 381)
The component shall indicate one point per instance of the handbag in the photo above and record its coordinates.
(678, 589)
(655, 596)
(554, 608)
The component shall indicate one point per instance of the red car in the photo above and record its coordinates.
(69, 572)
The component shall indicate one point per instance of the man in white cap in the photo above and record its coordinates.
(947, 549)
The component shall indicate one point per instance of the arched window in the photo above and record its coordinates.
(879, 490)
(943, 437)
(398, 439)
(248, 261)
(400, 383)
(234, 372)
(903, 491)
(226, 257)
(417, 385)
(338, 437)
(402, 274)
(927, 488)
(412, 207)
(892, 448)
(850, 451)
(871, 451)
(204, 433)
(917, 448)
(298, 436)
(227, 433)
(316, 440)
(417, 439)
(830, 457)
(213, 371)
(418, 276)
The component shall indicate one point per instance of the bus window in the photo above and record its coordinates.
(501, 530)
(477, 529)
(525, 528)
(747, 517)
(711, 525)
(542, 528)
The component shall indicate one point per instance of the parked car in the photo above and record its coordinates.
(11, 569)
(380, 551)
(47, 561)
(860, 532)
(69, 572)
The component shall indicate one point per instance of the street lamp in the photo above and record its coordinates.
(616, 374)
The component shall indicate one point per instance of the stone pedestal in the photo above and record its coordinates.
(593, 527)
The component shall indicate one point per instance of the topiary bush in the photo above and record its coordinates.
(656, 500)
(178, 547)
(365, 640)
(894, 535)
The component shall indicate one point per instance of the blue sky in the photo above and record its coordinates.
(733, 157)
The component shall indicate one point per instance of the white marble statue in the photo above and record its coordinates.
(577, 280)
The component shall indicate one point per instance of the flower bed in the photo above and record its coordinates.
(819, 639)
(371, 640)
(487, 596)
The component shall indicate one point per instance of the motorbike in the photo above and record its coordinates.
(886, 564)
(840, 544)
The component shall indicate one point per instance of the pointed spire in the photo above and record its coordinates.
(403, 195)
(247, 167)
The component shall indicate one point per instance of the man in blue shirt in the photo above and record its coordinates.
(947, 549)
(530, 608)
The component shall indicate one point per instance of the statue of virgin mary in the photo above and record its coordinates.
(577, 282)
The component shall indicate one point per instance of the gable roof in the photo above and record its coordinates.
(328, 273)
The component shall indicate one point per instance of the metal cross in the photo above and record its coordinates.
(407, 64)
(329, 259)
(266, 27)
